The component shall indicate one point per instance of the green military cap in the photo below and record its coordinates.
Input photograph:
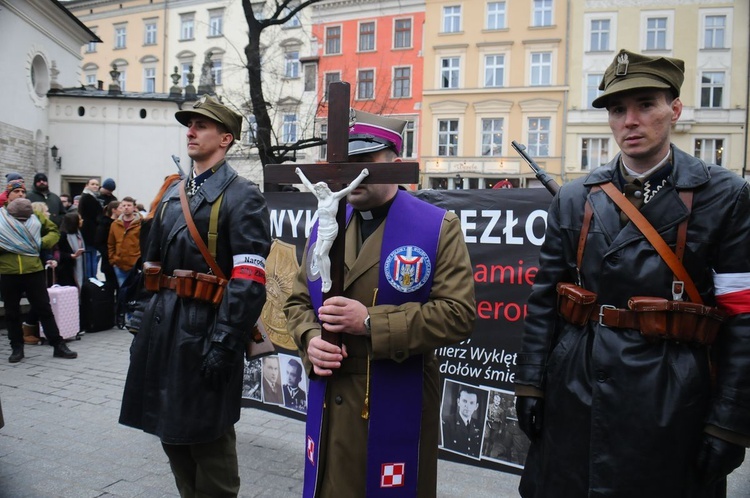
(630, 71)
(211, 108)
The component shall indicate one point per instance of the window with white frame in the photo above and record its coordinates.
(402, 33)
(185, 68)
(408, 137)
(122, 78)
(367, 36)
(91, 79)
(149, 33)
(712, 89)
(494, 70)
(289, 128)
(324, 137)
(91, 46)
(333, 40)
(710, 150)
(449, 72)
(447, 137)
(216, 70)
(89, 71)
(496, 15)
(215, 22)
(328, 79)
(291, 63)
(294, 21)
(492, 136)
(592, 88)
(452, 19)
(656, 33)
(365, 84)
(401, 82)
(149, 79)
(187, 26)
(121, 36)
(542, 13)
(541, 68)
(600, 35)
(714, 31)
(594, 153)
(539, 135)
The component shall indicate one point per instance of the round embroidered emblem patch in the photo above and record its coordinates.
(407, 268)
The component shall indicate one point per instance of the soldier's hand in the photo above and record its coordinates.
(717, 458)
(324, 356)
(135, 321)
(529, 410)
(218, 365)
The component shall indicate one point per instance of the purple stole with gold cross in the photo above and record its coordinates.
(406, 270)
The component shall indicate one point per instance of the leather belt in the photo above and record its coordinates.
(166, 282)
(616, 317)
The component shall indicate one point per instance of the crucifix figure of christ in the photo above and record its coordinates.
(337, 173)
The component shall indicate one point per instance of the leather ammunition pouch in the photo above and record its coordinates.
(575, 303)
(185, 283)
(676, 320)
(209, 288)
(152, 276)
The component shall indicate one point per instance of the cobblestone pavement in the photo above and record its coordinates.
(61, 437)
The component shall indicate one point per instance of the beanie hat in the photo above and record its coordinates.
(109, 184)
(39, 177)
(13, 176)
(14, 184)
(20, 209)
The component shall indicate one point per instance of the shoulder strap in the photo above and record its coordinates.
(194, 232)
(656, 240)
(213, 225)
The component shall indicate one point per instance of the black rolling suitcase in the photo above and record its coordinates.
(97, 306)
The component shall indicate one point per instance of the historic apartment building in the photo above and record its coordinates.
(376, 46)
(710, 36)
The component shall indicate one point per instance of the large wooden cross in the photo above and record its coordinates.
(337, 173)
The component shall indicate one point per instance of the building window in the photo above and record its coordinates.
(408, 137)
(447, 137)
(542, 13)
(149, 79)
(492, 137)
(367, 37)
(452, 19)
(494, 70)
(710, 150)
(538, 141)
(402, 33)
(91, 46)
(91, 79)
(294, 21)
(449, 72)
(216, 71)
(495, 15)
(215, 22)
(365, 84)
(712, 89)
(600, 31)
(541, 68)
(333, 40)
(330, 78)
(592, 88)
(324, 137)
(187, 27)
(311, 75)
(714, 31)
(149, 37)
(291, 64)
(656, 33)
(401, 82)
(289, 131)
(122, 78)
(594, 153)
(184, 70)
(120, 37)
(252, 130)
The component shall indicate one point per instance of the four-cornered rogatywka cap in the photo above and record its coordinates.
(630, 71)
(371, 133)
(211, 108)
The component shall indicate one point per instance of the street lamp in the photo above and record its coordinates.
(57, 159)
(458, 182)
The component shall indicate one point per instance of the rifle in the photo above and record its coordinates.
(549, 183)
(177, 163)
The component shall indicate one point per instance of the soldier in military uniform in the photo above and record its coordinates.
(462, 432)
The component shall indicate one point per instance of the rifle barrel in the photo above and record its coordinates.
(549, 183)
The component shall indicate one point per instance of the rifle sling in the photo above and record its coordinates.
(208, 256)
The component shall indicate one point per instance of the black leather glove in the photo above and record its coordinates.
(529, 410)
(134, 325)
(218, 365)
(717, 458)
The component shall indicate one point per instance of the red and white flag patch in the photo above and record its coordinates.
(733, 292)
(250, 267)
(392, 475)
(311, 450)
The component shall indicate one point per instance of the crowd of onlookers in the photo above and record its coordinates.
(47, 238)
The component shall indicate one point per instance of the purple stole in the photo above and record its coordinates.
(407, 260)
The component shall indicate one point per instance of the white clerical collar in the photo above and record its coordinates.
(648, 173)
(366, 215)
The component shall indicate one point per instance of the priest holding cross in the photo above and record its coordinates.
(406, 289)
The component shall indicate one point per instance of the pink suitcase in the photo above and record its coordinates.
(64, 302)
